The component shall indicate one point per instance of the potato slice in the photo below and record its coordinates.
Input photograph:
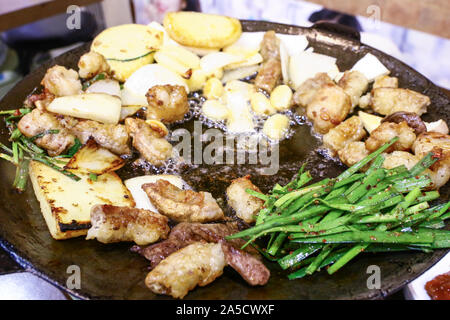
(370, 121)
(66, 203)
(202, 30)
(91, 158)
(99, 107)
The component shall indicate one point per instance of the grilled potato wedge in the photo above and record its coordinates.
(202, 30)
(91, 158)
(66, 204)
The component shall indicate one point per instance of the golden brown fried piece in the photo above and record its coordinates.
(440, 144)
(353, 152)
(91, 64)
(399, 158)
(308, 89)
(183, 205)
(115, 224)
(329, 107)
(389, 130)
(109, 136)
(387, 101)
(167, 103)
(348, 131)
(197, 264)
(385, 82)
(148, 142)
(39, 122)
(61, 81)
(355, 84)
(245, 205)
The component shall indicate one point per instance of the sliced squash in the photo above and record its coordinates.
(202, 30)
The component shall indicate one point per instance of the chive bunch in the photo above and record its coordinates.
(327, 224)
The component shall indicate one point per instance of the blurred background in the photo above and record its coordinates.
(33, 31)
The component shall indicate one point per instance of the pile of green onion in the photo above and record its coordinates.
(327, 224)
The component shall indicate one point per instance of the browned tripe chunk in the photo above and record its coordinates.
(167, 103)
(112, 137)
(245, 205)
(39, 122)
(115, 224)
(251, 269)
(183, 205)
(148, 142)
(269, 73)
(388, 131)
(186, 233)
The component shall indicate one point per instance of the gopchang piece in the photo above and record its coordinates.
(115, 224)
(354, 84)
(183, 205)
(91, 64)
(153, 148)
(248, 266)
(348, 131)
(51, 134)
(329, 107)
(61, 81)
(440, 144)
(197, 264)
(112, 137)
(167, 103)
(387, 101)
(269, 73)
(389, 130)
(245, 205)
(186, 233)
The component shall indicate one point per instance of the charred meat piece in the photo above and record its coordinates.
(387, 101)
(183, 205)
(269, 73)
(91, 64)
(39, 122)
(167, 103)
(308, 89)
(115, 224)
(112, 137)
(412, 119)
(197, 264)
(186, 233)
(348, 131)
(389, 130)
(355, 84)
(250, 268)
(61, 81)
(329, 107)
(245, 205)
(148, 142)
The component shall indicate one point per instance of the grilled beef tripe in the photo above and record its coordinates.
(199, 263)
(244, 204)
(114, 224)
(183, 205)
(247, 263)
